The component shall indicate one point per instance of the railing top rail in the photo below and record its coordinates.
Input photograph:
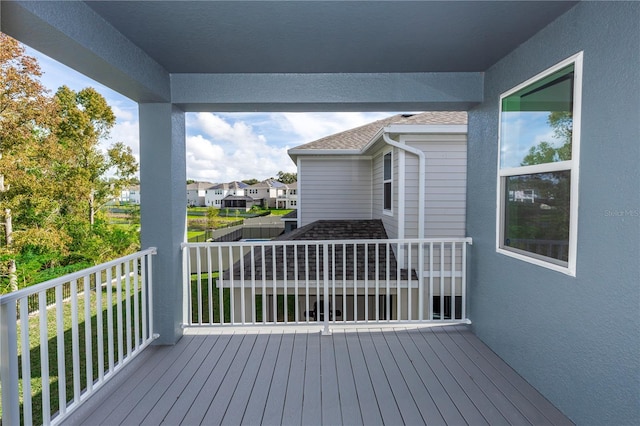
(271, 243)
(13, 296)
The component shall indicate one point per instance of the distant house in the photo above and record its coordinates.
(130, 195)
(238, 202)
(409, 171)
(215, 194)
(196, 193)
(288, 199)
(266, 192)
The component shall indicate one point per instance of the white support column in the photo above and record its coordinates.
(163, 203)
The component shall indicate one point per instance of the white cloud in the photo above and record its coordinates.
(311, 126)
(221, 151)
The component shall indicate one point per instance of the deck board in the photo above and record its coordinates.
(294, 375)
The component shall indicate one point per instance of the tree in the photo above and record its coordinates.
(286, 178)
(25, 114)
(85, 120)
(212, 217)
(251, 181)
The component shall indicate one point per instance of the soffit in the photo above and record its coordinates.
(327, 36)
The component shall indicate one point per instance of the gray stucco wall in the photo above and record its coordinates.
(576, 339)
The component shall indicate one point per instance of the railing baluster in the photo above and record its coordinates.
(332, 304)
(26, 364)
(221, 286)
(420, 281)
(366, 283)
(88, 354)
(253, 285)
(9, 363)
(306, 272)
(136, 307)
(409, 283)
(325, 262)
(242, 295)
(198, 284)
(44, 353)
(355, 282)
(210, 285)
(75, 344)
(232, 305)
(274, 272)
(453, 280)
(284, 284)
(264, 285)
(119, 313)
(430, 281)
(110, 343)
(127, 304)
(99, 326)
(295, 280)
(62, 382)
(388, 282)
(442, 281)
(377, 282)
(463, 283)
(344, 282)
(143, 295)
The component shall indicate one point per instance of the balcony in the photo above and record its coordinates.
(258, 347)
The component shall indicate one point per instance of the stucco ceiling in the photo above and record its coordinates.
(327, 36)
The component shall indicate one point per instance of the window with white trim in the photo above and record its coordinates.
(538, 167)
(387, 181)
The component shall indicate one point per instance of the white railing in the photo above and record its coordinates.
(296, 282)
(53, 360)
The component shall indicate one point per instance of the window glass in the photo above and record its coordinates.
(386, 182)
(387, 166)
(538, 168)
(537, 214)
(537, 121)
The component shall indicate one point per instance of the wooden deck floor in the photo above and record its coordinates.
(428, 375)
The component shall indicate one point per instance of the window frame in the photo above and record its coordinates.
(573, 166)
(387, 211)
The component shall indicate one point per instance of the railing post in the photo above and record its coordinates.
(9, 364)
(326, 331)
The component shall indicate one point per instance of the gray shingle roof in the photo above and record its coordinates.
(358, 137)
(311, 258)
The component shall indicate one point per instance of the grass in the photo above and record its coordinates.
(36, 380)
(207, 314)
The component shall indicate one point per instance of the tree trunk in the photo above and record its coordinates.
(91, 210)
(8, 228)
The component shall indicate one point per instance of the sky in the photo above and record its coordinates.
(220, 147)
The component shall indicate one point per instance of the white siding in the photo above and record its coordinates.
(334, 188)
(445, 189)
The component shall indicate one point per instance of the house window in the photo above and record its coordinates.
(538, 168)
(387, 182)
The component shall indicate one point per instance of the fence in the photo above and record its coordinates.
(51, 362)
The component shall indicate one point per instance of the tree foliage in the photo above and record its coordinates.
(562, 124)
(287, 178)
(53, 174)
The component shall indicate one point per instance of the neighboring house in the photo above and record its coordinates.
(266, 192)
(130, 195)
(239, 202)
(373, 172)
(196, 193)
(288, 199)
(214, 195)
